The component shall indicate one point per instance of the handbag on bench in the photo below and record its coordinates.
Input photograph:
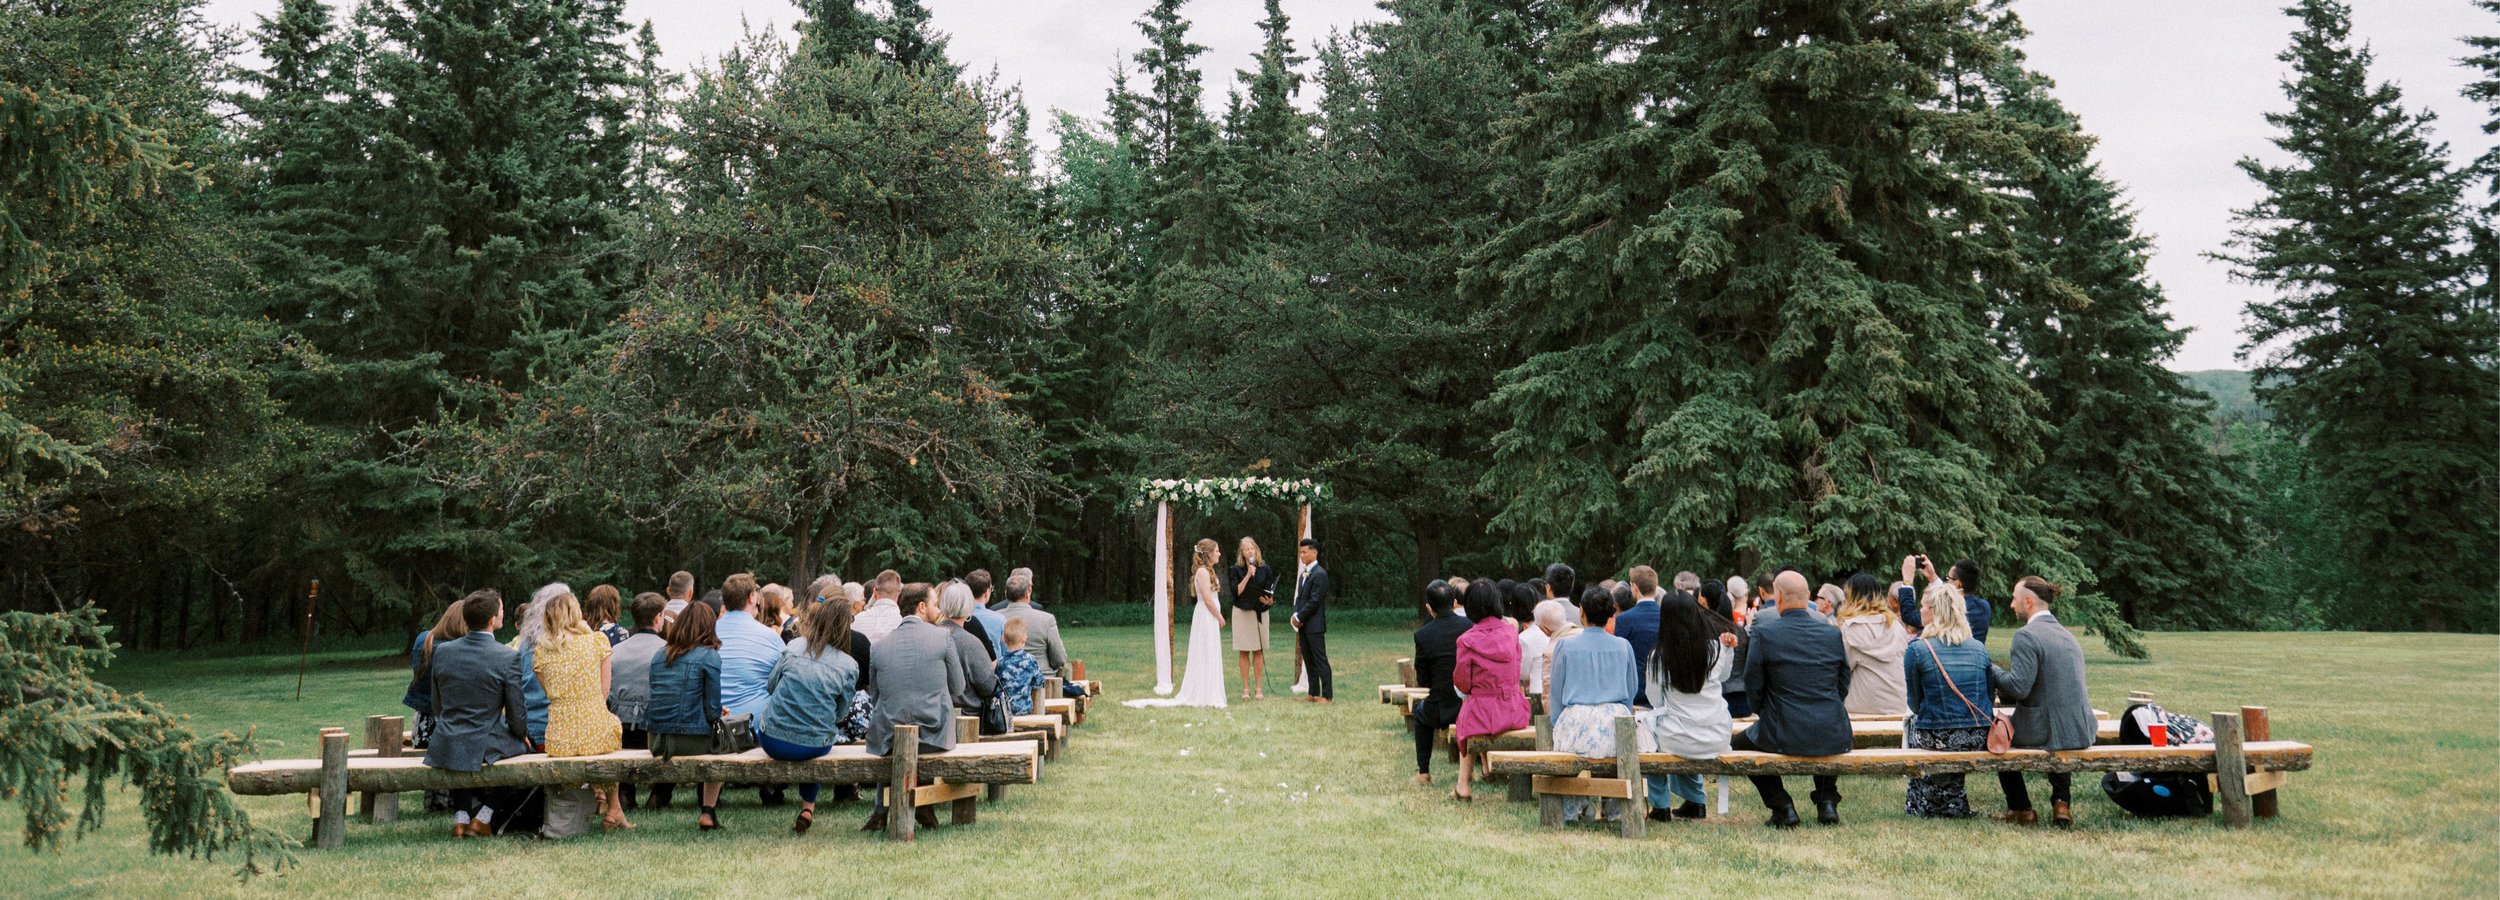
(733, 734)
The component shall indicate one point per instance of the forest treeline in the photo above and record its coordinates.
(416, 296)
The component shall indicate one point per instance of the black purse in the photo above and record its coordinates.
(733, 734)
(995, 717)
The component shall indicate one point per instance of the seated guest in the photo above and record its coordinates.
(1798, 675)
(686, 697)
(1520, 604)
(918, 672)
(1436, 657)
(629, 687)
(1975, 609)
(1018, 672)
(477, 711)
(1687, 666)
(955, 607)
(811, 695)
(1041, 629)
(993, 621)
(1875, 640)
(882, 614)
(1558, 620)
(1637, 624)
(774, 609)
(572, 662)
(749, 648)
(1592, 684)
(1946, 679)
(863, 698)
(602, 607)
(420, 696)
(533, 695)
(1715, 596)
(1826, 605)
(1487, 675)
(2044, 682)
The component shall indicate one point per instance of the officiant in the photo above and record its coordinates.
(1253, 586)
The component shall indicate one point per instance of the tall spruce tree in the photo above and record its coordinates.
(2130, 465)
(1753, 294)
(2372, 350)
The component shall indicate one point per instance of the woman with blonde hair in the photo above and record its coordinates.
(1948, 682)
(1874, 639)
(1202, 682)
(572, 666)
(1254, 591)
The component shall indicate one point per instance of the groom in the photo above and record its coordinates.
(1310, 622)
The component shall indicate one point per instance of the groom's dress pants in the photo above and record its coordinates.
(1315, 662)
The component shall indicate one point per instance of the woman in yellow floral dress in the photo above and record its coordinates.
(572, 665)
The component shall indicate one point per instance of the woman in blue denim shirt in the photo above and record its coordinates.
(1946, 674)
(810, 694)
(685, 697)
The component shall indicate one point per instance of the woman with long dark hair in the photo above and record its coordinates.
(685, 696)
(1687, 669)
(811, 695)
(1486, 677)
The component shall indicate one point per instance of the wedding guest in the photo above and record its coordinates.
(811, 695)
(1975, 609)
(1254, 592)
(882, 614)
(1436, 658)
(1534, 643)
(774, 608)
(477, 711)
(749, 648)
(1875, 641)
(601, 609)
(2044, 682)
(1041, 628)
(1486, 675)
(1947, 680)
(686, 697)
(1730, 609)
(918, 672)
(1687, 668)
(1560, 582)
(1558, 620)
(993, 622)
(1798, 673)
(680, 591)
(863, 703)
(1637, 624)
(420, 696)
(980, 673)
(629, 688)
(533, 694)
(1827, 603)
(1018, 672)
(1688, 584)
(572, 663)
(1593, 683)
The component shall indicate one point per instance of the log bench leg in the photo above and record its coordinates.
(2230, 770)
(1522, 788)
(330, 829)
(966, 810)
(994, 793)
(902, 776)
(384, 738)
(2265, 804)
(1628, 768)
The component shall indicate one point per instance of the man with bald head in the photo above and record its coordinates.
(1797, 675)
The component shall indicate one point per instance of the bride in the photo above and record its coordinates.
(1202, 682)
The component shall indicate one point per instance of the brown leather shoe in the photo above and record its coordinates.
(460, 830)
(2018, 817)
(925, 817)
(2061, 814)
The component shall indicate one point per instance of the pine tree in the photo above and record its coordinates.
(2371, 351)
(1752, 295)
(2152, 506)
(909, 41)
(835, 30)
(1272, 130)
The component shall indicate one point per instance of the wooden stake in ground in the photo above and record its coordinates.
(304, 654)
(902, 781)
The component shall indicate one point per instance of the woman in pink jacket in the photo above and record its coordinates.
(1487, 676)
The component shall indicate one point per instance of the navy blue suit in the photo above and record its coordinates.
(1639, 625)
(1797, 675)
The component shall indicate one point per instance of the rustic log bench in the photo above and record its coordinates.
(2241, 767)
(959, 774)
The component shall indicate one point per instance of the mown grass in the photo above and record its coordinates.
(1280, 798)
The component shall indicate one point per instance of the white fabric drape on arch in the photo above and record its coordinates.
(1163, 598)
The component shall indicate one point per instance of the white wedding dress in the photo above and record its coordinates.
(1202, 680)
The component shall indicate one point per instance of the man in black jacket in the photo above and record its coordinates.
(1310, 622)
(1436, 656)
(1797, 675)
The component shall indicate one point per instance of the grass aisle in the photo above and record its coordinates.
(1281, 798)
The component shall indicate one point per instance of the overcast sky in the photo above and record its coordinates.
(2175, 89)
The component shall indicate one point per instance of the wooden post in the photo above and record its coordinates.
(1076, 669)
(967, 729)
(382, 736)
(2231, 770)
(967, 810)
(1406, 673)
(902, 776)
(1544, 732)
(1041, 691)
(2253, 722)
(1051, 689)
(303, 656)
(1628, 768)
(330, 829)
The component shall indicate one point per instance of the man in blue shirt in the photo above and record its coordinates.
(1965, 576)
(993, 622)
(748, 651)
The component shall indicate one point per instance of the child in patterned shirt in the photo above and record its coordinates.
(1018, 674)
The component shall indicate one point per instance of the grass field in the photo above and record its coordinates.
(1280, 798)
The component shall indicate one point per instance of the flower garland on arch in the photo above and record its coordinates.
(1205, 493)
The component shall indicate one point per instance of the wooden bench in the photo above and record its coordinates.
(959, 774)
(1870, 734)
(2242, 767)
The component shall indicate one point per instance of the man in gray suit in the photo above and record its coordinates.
(478, 716)
(1041, 629)
(1797, 675)
(2051, 709)
(918, 672)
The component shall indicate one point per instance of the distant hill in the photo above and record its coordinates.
(2229, 388)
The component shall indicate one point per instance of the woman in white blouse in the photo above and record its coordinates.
(1687, 668)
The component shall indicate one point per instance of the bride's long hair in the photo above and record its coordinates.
(1205, 556)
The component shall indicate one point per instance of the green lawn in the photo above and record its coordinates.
(1282, 798)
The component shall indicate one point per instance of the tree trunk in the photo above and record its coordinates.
(1428, 551)
(804, 557)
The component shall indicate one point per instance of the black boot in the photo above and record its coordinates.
(1658, 814)
(1692, 810)
(1783, 817)
(1827, 812)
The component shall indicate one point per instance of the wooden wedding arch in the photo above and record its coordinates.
(1207, 494)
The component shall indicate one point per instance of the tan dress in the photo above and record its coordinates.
(578, 720)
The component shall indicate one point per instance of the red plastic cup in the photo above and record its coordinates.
(2160, 732)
